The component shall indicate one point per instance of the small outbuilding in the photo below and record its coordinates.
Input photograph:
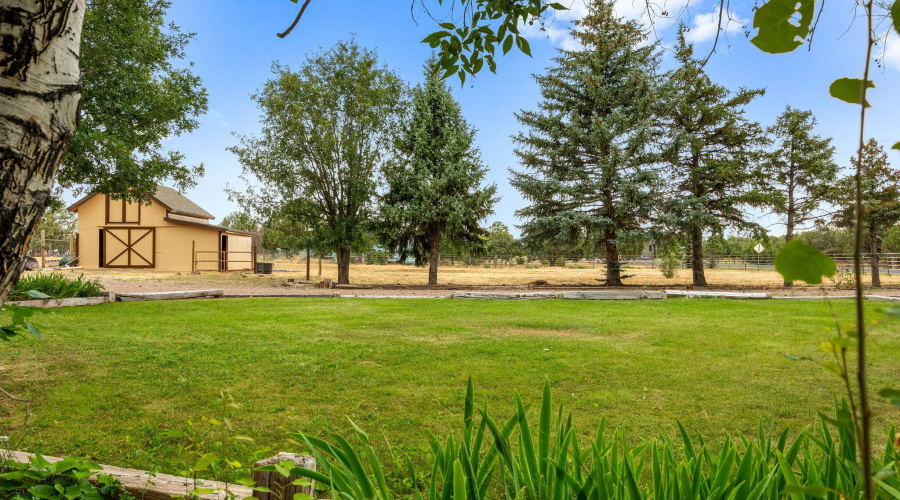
(171, 233)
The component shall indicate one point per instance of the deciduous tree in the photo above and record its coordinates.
(325, 130)
(134, 96)
(585, 150)
(434, 184)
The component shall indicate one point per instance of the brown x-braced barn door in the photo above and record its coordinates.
(129, 247)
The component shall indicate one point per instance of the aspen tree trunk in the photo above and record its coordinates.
(433, 260)
(39, 99)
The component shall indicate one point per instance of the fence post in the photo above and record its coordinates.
(280, 486)
(71, 243)
(307, 264)
(43, 252)
(320, 265)
(193, 256)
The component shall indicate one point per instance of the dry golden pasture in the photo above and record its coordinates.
(395, 274)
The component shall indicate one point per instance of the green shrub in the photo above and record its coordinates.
(545, 262)
(63, 480)
(511, 459)
(561, 262)
(57, 286)
(520, 260)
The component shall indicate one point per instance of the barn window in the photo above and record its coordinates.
(121, 212)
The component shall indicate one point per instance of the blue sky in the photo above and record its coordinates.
(236, 44)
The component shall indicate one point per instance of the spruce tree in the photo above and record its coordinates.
(880, 201)
(585, 150)
(800, 170)
(712, 157)
(434, 193)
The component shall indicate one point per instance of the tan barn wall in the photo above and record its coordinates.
(238, 261)
(174, 244)
(91, 217)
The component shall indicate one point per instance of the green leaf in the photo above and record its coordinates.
(849, 90)
(34, 330)
(893, 312)
(897, 144)
(833, 367)
(34, 294)
(895, 16)
(204, 462)
(778, 33)
(459, 481)
(507, 44)
(799, 261)
(522, 43)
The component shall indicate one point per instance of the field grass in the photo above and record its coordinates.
(114, 381)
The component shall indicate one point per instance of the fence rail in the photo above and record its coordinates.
(223, 260)
(888, 262)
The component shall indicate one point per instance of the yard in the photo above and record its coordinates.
(118, 382)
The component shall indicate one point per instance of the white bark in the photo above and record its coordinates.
(39, 98)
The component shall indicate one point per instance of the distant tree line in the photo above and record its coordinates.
(617, 153)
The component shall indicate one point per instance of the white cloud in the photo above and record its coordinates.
(705, 26)
(557, 29)
(891, 49)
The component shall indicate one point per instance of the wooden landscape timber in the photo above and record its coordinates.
(810, 297)
(150, 487)
(506, 295)
(189, 294)
(70, 302)
(281, 295)
(691, 294)
(884, 298)
(613, 295)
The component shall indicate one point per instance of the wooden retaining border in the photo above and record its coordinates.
(281, 295)
(690, 294)
(145, 486)
(810, 297)
(189, 294)
(614, 295)
(54, 303)
(506, 295)
(883, 298)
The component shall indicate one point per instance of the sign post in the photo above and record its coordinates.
(759, 248)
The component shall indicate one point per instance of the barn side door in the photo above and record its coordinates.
(129, 247)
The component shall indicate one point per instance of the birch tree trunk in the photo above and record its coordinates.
(39, 99)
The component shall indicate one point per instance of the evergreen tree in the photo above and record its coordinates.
(712, 157)
(585, 151)
(799, 170)
(880, 201)
(434, 186)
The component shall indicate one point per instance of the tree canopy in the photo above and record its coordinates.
(325, 132)
(135, 95)
(434, 190)
(585, 151)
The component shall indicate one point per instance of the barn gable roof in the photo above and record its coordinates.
(174, 201)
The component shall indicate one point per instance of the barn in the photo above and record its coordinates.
(171, 233)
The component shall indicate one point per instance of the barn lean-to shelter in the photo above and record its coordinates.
(171, 233)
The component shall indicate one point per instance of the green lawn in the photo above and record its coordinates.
(111, 381)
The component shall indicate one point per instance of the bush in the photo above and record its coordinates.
(520, 260)
(670, 261)
(56, 286)
(63, 480)
(545, 262)
(561, 262)
(511, 459)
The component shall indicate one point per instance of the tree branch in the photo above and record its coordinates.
(296, 20)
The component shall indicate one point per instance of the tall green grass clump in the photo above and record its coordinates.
(514, 460)
(56, 286)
